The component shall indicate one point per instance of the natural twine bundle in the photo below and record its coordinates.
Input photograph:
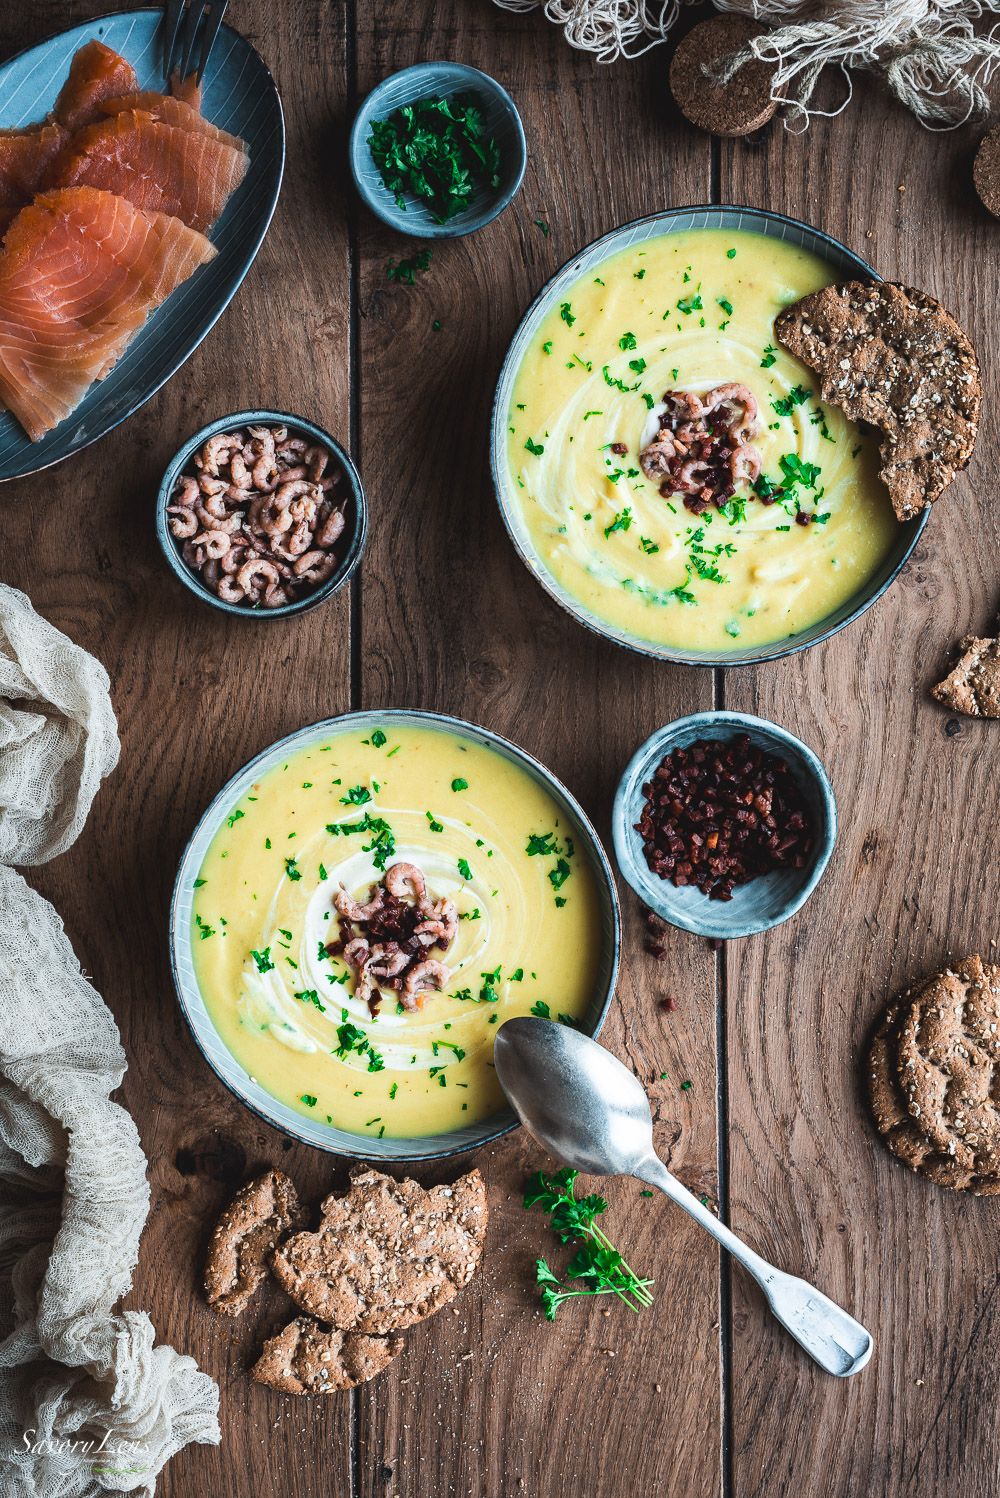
(937, 56)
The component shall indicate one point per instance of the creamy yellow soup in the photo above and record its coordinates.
(484, 833)
(690, 311)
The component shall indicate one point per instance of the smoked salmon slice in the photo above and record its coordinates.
(168, 168)
(80, 271)
(170, 110)
(95, 73)
(24, 156)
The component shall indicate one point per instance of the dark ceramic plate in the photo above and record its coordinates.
(239, 96)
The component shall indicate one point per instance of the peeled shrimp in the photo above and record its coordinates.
(424, 978)
(400, 875)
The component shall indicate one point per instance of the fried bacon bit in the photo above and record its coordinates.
(385, 941)
(720, 814)
(703, 448)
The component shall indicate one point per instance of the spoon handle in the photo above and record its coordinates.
(838, 1343)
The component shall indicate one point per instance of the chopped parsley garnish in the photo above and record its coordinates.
(770, 357)
(291, 869)
(566, 314)
(310, 996)
(726, 306)
(356, 796)
(263, 960)
(797, 396)
(540, 1009)
(547, 347)
(541, 224)
(203, 929)
(351, 1039)
(648, 546)
(488, 993)
(798, 472)
(378, 738)
(463, 869)
(535, 448)
(621, 522)
(460, 784)
(626, 341)
(689, 304)
(308, 1099)
(234, 817)
(731, 254)
(438, 150)
(198, 883)
(382, 845)
(435, 825)
(405, 271)
(450, 1044)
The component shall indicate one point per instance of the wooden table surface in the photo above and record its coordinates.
(703, 1394)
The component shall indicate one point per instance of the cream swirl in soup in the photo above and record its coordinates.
(268, 943)
(691, 314)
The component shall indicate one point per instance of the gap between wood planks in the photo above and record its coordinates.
(718, 702)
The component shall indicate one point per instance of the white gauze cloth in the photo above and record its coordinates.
(87, 1403)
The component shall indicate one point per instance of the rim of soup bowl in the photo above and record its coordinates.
(674, 220)
(214, 1050)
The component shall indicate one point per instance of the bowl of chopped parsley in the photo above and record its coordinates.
(438, 150)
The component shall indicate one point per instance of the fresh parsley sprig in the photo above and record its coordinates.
(597, 1263)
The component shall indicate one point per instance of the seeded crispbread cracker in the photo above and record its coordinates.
(893, 357)
(734, 108)
(973, 686)
(305, 1358)
(388, 1253)
(986, 171)
(934, 1078)
(255, 1221)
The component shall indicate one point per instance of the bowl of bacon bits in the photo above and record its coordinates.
(724, 823)
(262, 513)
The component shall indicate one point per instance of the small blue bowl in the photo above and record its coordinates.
(439, 80)
(350, 545)
(764, 902)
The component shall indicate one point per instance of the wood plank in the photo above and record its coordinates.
(197, 694)
(920, 808)
(491, 1399)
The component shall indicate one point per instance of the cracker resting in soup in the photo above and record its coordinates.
(490, 842)
(691, 312)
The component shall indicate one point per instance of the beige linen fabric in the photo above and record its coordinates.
(87, 1403)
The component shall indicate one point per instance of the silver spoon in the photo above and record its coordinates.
(589, 1111)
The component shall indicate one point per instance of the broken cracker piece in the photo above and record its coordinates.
(388, 1253)
(304, 1358)
(930, 1071)
(973, 686)
(250, 1228)
(893, 357)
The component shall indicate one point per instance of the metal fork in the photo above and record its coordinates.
(180, 32)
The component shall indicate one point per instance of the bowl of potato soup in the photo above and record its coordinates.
(359, 910)
(666, 470)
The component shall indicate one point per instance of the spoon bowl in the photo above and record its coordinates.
(587, 1109)
(577, 1100)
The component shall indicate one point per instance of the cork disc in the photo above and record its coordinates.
(737, 107)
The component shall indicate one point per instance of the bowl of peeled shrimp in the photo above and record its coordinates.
(262, 513)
